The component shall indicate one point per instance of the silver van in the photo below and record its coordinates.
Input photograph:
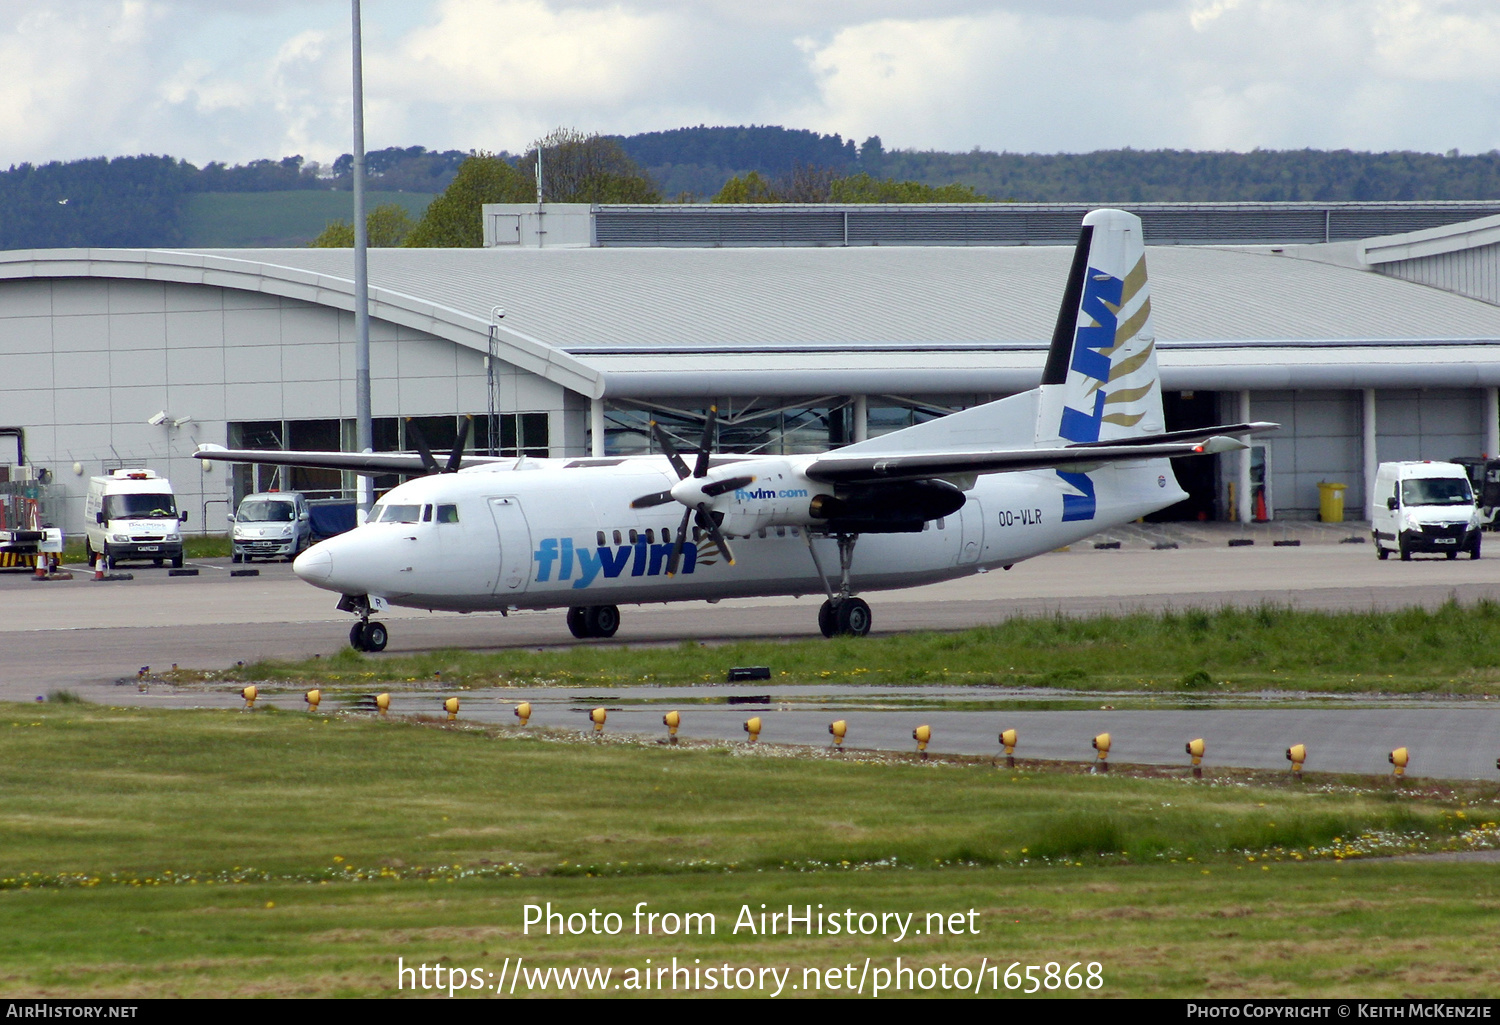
(271, 525)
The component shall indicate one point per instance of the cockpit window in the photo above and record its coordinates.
(447, 514)
(397, 513)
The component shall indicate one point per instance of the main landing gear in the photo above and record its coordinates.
(594, 620)
(842, 615)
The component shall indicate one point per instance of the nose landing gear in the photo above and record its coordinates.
(368, 636)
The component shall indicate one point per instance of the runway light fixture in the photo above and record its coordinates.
(1195, 748)
(249, 693)
(671, 721)
(1101, 744)
(383, 703)
(922, 734)
(1400, 758)
(523, 712)
(451, 707)
(1008, 741)
(597, 717)
(312, 698)
(752, 727)
(839, 728)
(1297, 755)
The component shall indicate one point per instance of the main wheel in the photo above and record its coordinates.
(602, 620)
(827, 620)
(853, 617)
(577, 624)
(375, 637)
(357, 637)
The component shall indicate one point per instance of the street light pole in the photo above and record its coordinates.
(364, 431)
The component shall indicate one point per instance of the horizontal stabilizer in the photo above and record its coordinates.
(839, 469)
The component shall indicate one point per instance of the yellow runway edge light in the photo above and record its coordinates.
(523, 712)
(752, 727)
(451, 707)
(839, 728)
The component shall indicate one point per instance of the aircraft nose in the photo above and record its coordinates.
(314, 565)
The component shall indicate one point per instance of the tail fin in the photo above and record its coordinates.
(1101, 381)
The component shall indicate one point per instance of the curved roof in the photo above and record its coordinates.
(639, 322)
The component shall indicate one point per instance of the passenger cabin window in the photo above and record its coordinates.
(599, 535)
(633, 537)
(650, 536)
(447, 514)
(617, 537)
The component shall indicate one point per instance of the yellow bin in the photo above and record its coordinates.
(1331, 501)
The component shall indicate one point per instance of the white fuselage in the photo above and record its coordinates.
(549, 533)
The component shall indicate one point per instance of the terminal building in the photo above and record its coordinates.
(1371, 332)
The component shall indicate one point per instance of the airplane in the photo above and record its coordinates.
(984, 487)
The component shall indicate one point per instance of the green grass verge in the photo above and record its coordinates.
(152, 853)
(277, 219)
(1192, 653)
(194, 546)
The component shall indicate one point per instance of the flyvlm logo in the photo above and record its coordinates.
(766, 494)
(642, 558)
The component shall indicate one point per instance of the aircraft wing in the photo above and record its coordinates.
(360, 462)
(904, 466)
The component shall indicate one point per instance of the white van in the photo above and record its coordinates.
(132, 514)
(1425, 507)
(271, 525)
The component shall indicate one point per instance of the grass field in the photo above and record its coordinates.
(153, 853)
(231, 220)
(1449, 650)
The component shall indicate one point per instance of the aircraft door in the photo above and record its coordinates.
(515, 546)
(972, 543)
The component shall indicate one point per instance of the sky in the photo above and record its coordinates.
(236, 80)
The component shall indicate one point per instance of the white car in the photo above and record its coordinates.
(271, 525)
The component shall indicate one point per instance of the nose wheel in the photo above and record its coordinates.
(368, 636)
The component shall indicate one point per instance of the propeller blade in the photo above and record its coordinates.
(718, 487)
(670, 451)
(676, 556)
(415, 433)
(709, 423)
(649, 501)
(707, 522)
(457, 455)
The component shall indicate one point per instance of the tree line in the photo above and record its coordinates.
(138, 201)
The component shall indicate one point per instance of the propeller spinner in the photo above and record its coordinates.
(694, 491)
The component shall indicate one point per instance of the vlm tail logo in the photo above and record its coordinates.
(643, 560)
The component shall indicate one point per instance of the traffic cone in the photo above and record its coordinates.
(98, 567)
(41, 566)
(1260, 507)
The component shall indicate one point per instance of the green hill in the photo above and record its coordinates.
(234, 220)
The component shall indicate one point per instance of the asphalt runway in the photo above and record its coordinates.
(86, 636)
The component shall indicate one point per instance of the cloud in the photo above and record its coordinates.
(240, 79)
(1217, 74)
